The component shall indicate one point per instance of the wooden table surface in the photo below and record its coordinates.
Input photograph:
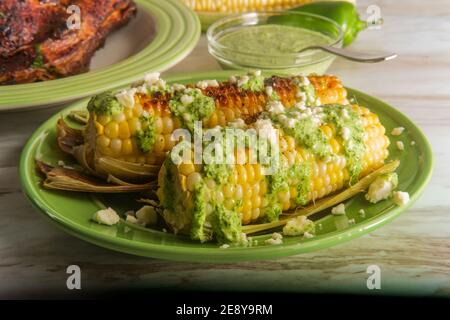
(413, 252)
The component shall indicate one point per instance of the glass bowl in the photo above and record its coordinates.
(288, 60)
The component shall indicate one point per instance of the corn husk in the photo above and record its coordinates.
(325, 203)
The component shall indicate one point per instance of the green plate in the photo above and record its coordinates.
(161, 35)
(72, 211)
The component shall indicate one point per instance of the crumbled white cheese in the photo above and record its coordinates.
(397, 131)
(126, 97)
(298, 226)
(178, 87)
(300, 95)
(224, 246)
(186, 99)
(152, 78)
(243, 81)
(381, 188)
(401, 198)
(213, 83)
(269, 90)
(413, 143)
(147, 215)
(308, 235)
(161, 84)
(339, 209)
(351, 221)
(106, 216)
(61, 163)
(345, 133)
(237, 124)
(232, 79)
(290, 123)
(400, 145)
(266, 130)
(300, 105)
(304, 81)
(362, 213)
(131, 219)
(164, 230)
(142, 89)
(345, 114)
(275, 107)
(207, 83)
(202, 84)
(275, 239)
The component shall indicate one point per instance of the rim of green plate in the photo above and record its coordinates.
(178, 30)
(232, 254)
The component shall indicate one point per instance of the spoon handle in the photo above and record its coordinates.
(355, 56)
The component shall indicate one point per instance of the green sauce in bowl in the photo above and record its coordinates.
(272, 39)
(256, 41)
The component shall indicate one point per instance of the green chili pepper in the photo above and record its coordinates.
(343, 12)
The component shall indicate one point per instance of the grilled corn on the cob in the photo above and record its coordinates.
(322, 149)
(235, 6)
(129, 134)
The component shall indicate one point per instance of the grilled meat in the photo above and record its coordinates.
(36, 44)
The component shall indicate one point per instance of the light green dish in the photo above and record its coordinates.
(72, 211)
(162, 34)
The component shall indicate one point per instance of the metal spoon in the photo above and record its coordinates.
(354, 56)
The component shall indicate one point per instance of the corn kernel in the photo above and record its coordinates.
(112, 130)
(124, 130)
(127, 147)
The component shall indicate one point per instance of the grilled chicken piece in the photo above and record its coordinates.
(52, 51)
(23, 23)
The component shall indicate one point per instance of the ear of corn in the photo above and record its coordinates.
(252, 196)
(235, 6)
(111, 141)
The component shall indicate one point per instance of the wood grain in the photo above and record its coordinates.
(413, 252)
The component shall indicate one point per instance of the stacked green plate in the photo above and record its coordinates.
(176, 32)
